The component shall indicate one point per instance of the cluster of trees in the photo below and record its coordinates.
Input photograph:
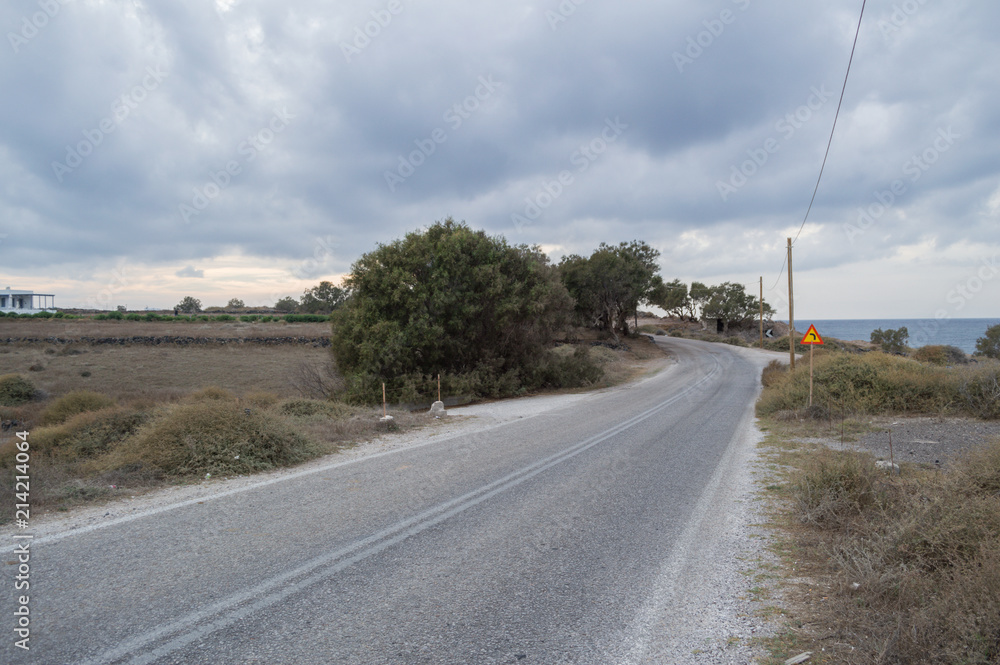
(323, 298)
(611, 285)
(728, 302)
(453, 300)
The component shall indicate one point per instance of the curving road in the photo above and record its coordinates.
(587, 533)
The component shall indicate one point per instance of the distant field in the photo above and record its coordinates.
(162, 371)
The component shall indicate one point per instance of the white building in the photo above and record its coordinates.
(25, 302)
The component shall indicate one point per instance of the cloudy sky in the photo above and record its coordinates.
(251, 148)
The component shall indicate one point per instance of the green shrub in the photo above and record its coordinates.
(305, 318)
(218, 438)
(249, 318)
(224, 317)
(70, 404)
(16, 390)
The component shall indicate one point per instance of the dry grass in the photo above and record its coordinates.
(887, 568)
(162, 372)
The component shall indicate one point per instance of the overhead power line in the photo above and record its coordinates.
(829, 143)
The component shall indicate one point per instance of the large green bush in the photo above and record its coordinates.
(447, 300)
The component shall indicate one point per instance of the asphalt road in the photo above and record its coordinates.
(557, 538)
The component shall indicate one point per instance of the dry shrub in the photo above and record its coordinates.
(217, 437)
(937, 354)
(979, 470)
(775, 372)
(70, 404)
(16, 390)
(319, 381)
(833, 488)
(211, 393)
(260, 400)
(88, 434)
(980, 392)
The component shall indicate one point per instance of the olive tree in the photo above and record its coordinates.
(989, 344)
(447, 299)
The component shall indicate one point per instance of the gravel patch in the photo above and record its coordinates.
(924, 440)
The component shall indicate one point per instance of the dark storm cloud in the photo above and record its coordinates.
(169, 132)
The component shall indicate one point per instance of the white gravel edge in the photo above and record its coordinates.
(702, 609)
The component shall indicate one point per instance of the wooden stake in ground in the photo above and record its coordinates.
(439, 387)
(811, 338)
(383, 400)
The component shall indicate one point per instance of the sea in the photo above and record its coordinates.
(962, 333)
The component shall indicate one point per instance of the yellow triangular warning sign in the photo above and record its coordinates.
(812, 337)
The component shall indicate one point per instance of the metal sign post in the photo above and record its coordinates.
(811, 338)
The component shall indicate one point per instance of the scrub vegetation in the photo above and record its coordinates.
(884, 565)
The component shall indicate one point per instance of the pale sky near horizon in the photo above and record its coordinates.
(251, 148)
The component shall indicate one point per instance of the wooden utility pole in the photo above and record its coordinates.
(791, 311)
(762, 312)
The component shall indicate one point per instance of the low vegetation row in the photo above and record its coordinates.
(180, 318)
(86, 445)
(848, 385)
